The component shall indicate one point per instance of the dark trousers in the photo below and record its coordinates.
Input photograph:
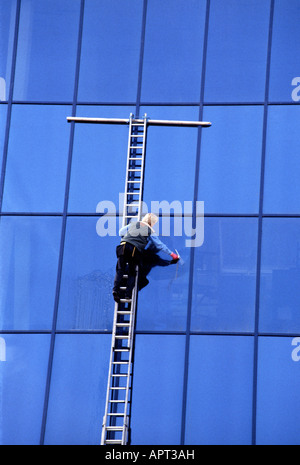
(126, 254)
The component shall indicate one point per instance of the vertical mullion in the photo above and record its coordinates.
(260, 222)
(63, 233)
(192, 253)
(10, 98)
(141, 60)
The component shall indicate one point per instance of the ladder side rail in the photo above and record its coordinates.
(130, 343)
(109, 376)
(127, 168)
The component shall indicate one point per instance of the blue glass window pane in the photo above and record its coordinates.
(278, 402)
(37, 159)
(157, 389)
(237, 51)
(3, 111)
(219, 397)
(22, 387)
(99, 160)
(230, 160)
(282, 189)
(47, 48)
(171, 156)
(284, 63)
(110, 51)
(173, 51)
(29, 249)
(89, 263)
(163, 303)
(225, 276)
(280, 274)
(7, 29)
(78, 389)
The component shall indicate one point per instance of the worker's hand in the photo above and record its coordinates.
(175, 257)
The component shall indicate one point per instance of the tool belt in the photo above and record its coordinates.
(121, 249)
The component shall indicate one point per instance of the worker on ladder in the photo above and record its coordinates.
(136, 238)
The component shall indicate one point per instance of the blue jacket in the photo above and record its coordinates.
(154, 243)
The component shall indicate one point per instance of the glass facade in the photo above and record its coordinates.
(217, 354)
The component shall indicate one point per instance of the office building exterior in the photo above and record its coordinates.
(217, 345)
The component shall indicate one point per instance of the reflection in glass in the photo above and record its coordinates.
(29, 248)
(37, 159)
(284, 64)
(7, 29)
(22, 388)
(282, 187)
(157, 389)
(110, 51)
(173, 51)
(170, 156)
(230, 159)
(237, 51)
(163, 303)
(278, 402)
(280, 275)
(47, 47)
(3, 110)
(99, 160)
(78, 389)
(89, 263)
(219, 397)
(225, 276)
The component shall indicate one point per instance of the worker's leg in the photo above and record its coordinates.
(130, 279)
(120, 269)
(133, 259)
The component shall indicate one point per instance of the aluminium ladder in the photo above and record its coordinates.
(115, 427)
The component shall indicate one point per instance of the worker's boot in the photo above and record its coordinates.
(116, 296)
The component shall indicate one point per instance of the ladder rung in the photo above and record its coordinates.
(124, 312)
(122, 337)
(136, 147)
(119, 387)
(135, 169)
(124, 301)
(137, 135)
(115, 428)
(136, 158)
(120, 375)
(113, 441)
(123, 324)
(137, 124)
(124, 349)
(117, 401)
(120, 363)
(117, 414)
(133, 193)
(133, 182)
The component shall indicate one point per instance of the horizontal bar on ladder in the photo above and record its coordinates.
(150, 122)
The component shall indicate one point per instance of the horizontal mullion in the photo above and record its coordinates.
(153, 332)
(160, 215)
